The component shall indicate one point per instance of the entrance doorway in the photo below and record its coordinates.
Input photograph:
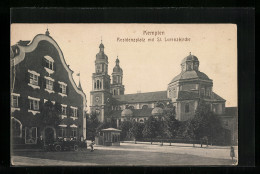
(49, 135)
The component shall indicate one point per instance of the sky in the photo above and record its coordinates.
(147, 66)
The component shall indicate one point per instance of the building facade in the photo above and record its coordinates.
(40, 75)
(184, 91)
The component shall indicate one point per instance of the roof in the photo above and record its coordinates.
(231, 111)
(217, 97)
(190, 75)
(111, 129)
(157, 111)
(127, 112)
(101, 55)
(117, 69)
(136, 113)
(190, 58)
(142, 97)
(188, 95)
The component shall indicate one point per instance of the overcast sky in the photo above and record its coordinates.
(147, 66)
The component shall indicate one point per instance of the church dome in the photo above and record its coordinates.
(127, 113)
(101, 45)
(101, 56)
(190, 75)
(157, 111)
(117, 68)
(189, 58)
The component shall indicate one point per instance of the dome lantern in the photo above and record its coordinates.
(190, 63)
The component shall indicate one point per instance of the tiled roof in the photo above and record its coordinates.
(142, 97)
(136, 113)
(217, 97)
(190, 75)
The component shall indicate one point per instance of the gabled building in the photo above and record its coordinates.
(39, 74)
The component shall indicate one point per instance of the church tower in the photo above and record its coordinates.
(117, 87)
(100, 95)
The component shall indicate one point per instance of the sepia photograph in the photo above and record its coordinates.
(123, 94)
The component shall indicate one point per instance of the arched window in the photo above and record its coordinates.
(161, 105)
(114, 92)
(16, 128)
(97, 84)
(187, 108)
(131, 107)
(145, 107)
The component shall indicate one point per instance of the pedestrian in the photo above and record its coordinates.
(92, 146)
(232, 152)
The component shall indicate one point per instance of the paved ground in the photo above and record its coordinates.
(128, 154)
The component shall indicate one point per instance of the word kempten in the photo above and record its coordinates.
(155, 33)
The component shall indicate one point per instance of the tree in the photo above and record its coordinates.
(92, 125)
(205, 124)
(150, 128)
(170, 124)
(50, 114)
(125, 127)
(136, 130)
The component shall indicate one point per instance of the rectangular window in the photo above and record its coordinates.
(63, 89)
(202, 91)
(33, 79)
(73, 132)
(62, 132)
(63, 110)
(48, 64)
(74, 112)
(34, 105)
(14, 101)
(49, 85)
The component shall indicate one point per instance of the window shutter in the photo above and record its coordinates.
(54, 66)
(67, 90)
(60, 89)
(78, 112)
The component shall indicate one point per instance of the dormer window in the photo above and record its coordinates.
(48, 64)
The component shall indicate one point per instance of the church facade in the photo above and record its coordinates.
(108, 100)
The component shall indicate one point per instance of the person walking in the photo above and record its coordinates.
(92, 146)
(232, 152)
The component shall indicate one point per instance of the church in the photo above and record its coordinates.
(108, 100)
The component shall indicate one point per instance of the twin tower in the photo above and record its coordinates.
(101, 96)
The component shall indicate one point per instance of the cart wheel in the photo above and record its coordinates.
(76, 148)
(58, 148)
